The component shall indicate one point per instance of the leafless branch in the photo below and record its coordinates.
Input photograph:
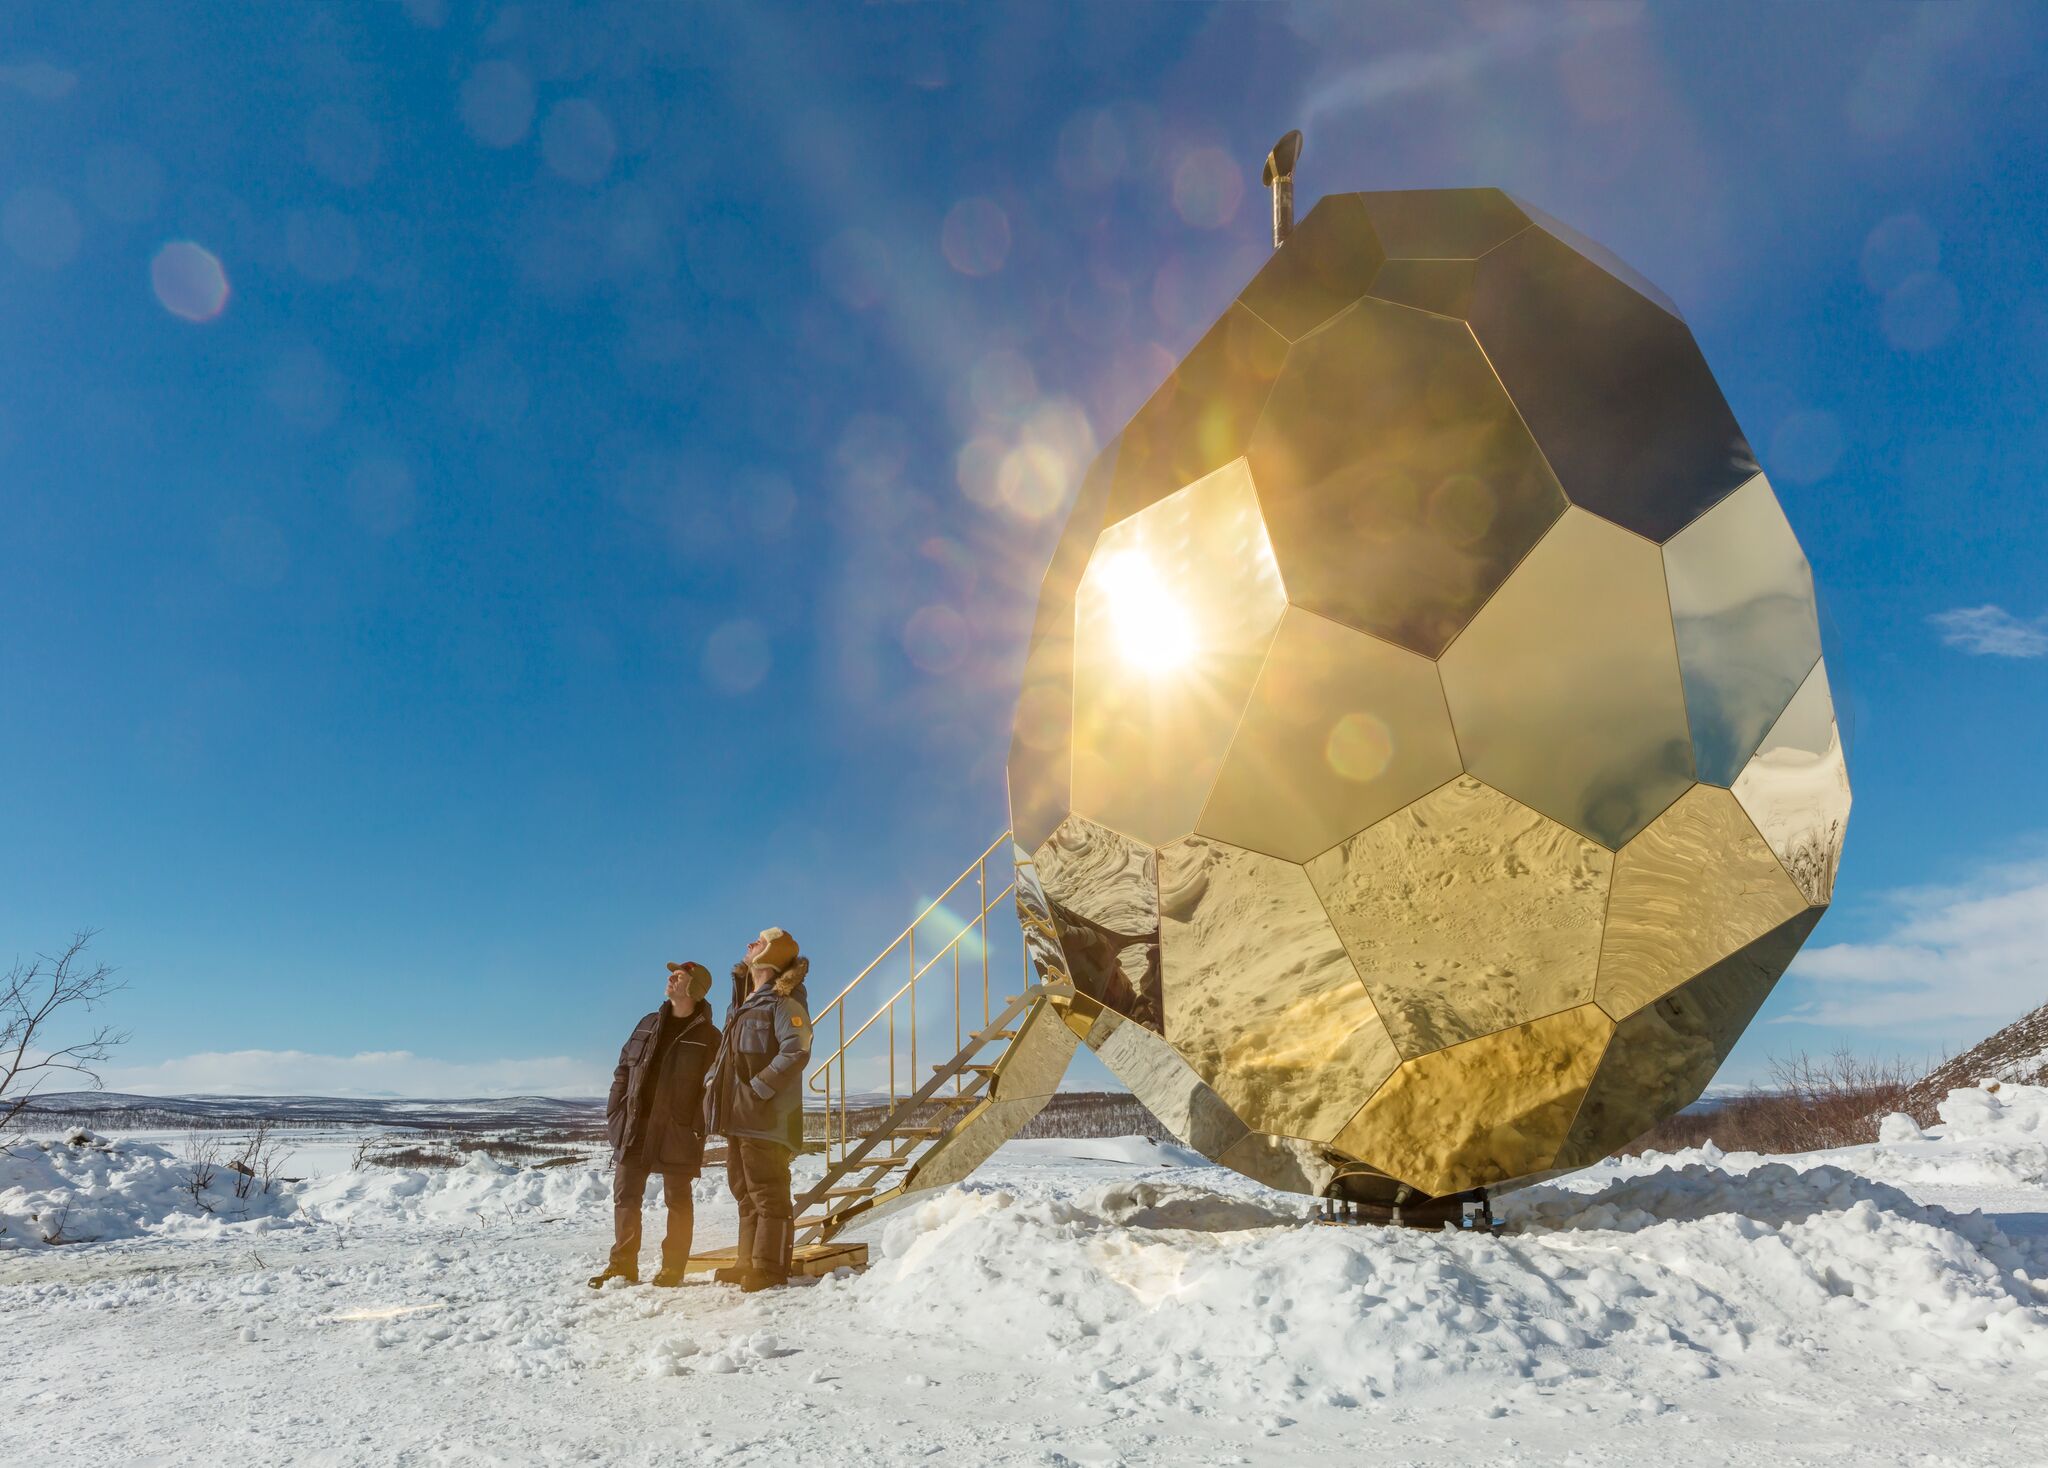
(34, 1000)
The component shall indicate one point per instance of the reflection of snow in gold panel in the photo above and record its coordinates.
(1796, 789)
(1399, 484)
(1466, 913)
(1663, 1056)
(1262, 1001)
(1104, 896)
(1693, 888)
(1564, 691)
(1325, 265)
(1202, 416)
(1342, 730)
(1485, 1111)
(1742, 610)
(1173, 619)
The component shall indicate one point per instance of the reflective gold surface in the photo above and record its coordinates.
(1663, 1056)
(1397, 480)
(1440, 568)
(1037, 1058)
(1326, 264)
(1485, 1111)
(1693, 888)
(1466, 913)
(1796, 789)
(1107, 915)
(1202, 416)
(1341, 730)
(1041, 762)
(1173, 618)
(1611, 385)
(1565, 690)
(971, 1143)
(1742, 611)
(1262, 1001)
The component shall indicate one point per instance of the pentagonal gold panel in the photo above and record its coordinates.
(1693, 888)
(1399, 484)
(1442, 224)
(1796, 789)
(1172, 621)
(1041, 761)
(1612, 386)
(1325, 265)
(1663, 1056)
(1342, 729)
(1466, 913)
(1263, 1004)
(1170, 1089)
(1565, 692)
(1742, 611)
(1106, 913)
(1441, 286)
(1491, 1109)
(1202, 416)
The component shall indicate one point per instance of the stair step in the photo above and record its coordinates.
(917, 1131)
(845, 1192)
(987, 1036)
(970, 1098)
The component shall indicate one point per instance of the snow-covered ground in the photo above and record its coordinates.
(1077, 1302)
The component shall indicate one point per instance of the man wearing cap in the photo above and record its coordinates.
(754, 1099)
(655, 1117)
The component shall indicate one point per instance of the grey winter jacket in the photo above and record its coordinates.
(655, 1113)
(756, 1087)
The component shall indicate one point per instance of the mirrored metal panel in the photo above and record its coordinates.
(1663, 1056)
(1325, 265)
(1260, 997)
(1564, 691)
(1170, 1089)
(1742, 610)
(1693, 888)
(1796, 789)
(1483, 1112)
(1173, 619)
(1466, 913)
(1287, 1163)
(1037, 1058)
(1610, 383)
(1202, 416)
(1342, 729)
(972, 1143)
(1103, 889)
(1440, 286)
(1398, 482)
(1600, 255)
(1442, 224)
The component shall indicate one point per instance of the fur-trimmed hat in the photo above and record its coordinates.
(700, 976)
(774, 948)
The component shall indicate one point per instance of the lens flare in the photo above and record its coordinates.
(1153, 630)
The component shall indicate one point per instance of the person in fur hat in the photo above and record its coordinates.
(754, 1099)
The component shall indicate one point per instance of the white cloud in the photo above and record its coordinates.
(1429, 69)
(1993, 632)
(370, 1073)
(1957, 962)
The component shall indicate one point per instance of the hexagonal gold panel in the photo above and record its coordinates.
(1325, 265)
(1172, 621)
(1466, 913)
(1690, 890)
(1442, 224)
(1663, 1056)
(1443, 287)
(1264, 1004)
(1564, 691)
(1342, 729)
(1106, 913)
(1485, 1111)
(1202, 416)
(1397, 480)
(1796, 789)
(1742, 610)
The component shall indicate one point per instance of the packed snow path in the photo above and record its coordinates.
(1077, 1303)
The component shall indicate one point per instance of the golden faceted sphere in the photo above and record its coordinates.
(1425, 765)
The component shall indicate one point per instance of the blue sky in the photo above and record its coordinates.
(603, 517)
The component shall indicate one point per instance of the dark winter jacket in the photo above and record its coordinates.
(655, 1113)
(756, 1087)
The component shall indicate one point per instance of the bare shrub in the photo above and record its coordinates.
(1810, 1104)
(201, 1153)
(35, 1000)
(257, 1165)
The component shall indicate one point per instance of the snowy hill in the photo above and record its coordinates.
(118, 1111)
(2019, 1052)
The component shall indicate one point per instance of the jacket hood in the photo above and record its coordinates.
(789, 983)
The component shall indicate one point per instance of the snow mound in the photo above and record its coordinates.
(481, 1186)
(84, 1188)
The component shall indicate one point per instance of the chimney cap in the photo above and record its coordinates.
(1280, 162)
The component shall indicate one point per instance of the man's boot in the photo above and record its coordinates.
(742, 1256)
(774, 1240)
(613, 1271)
(675, 1249)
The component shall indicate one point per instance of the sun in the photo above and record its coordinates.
(1153, 630)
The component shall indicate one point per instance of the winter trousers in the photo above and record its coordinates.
(629, 1189)
(758, 1174)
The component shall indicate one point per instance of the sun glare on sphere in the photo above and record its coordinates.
(1153, 630)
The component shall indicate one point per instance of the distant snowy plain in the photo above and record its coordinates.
(1111, 1302)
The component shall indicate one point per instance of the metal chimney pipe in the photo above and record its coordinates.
(1279, 177)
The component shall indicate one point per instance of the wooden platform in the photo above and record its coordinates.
(809, 1260)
